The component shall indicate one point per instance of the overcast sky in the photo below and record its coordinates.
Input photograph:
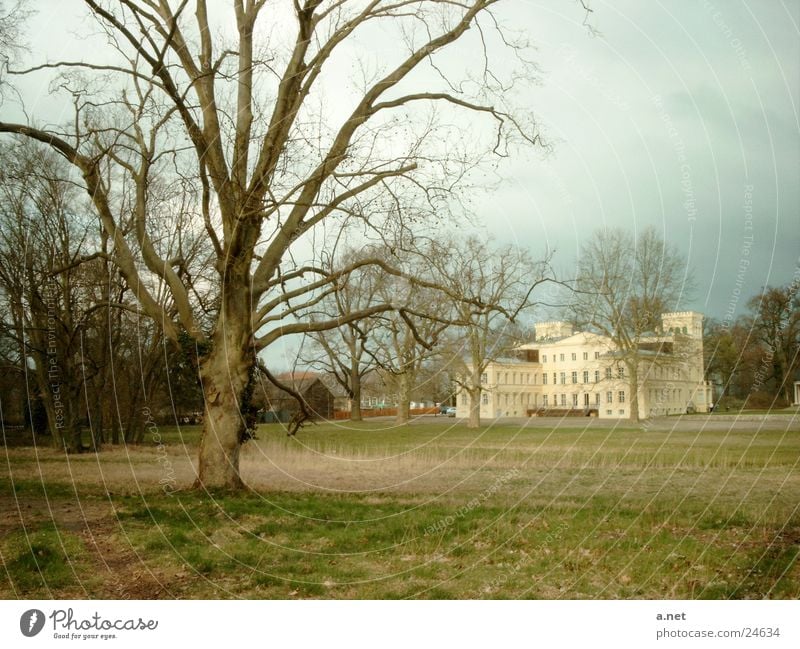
(682, 115)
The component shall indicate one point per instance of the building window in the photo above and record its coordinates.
(563, 399)
(464, 399)
(574, 356)
(485, 399)
(544, 379)
(506, 399)
(561, 356)
(574, 400)
(609, 412)
(544, 358)
(621, 411)
(596, 355)
(484, 378)
(514, 378)
(554, 378)
(544, 399)
(608, 372)
(597, 398)
(609, 397)
(563, 378)
(585, 376)
(621, 372)
(621, 396)
(597, 376)
(574, 377)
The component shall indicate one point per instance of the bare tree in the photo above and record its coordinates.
(775, 324)
(494, 286)
(727, 359)
(405, 339)
(12, 20)
(48, 296)
(246, 122)
(623, 286)
(342, 352)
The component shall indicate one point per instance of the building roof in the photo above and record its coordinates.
(300, 382)
(578, 338)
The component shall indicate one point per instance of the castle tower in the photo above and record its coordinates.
(688, 323)
(687, 330)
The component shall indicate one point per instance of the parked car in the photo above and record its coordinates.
(450, 412)
(443, 409)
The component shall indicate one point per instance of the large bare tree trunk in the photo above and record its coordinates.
(135, 424)
(225, 374)
(96, 423)
(403, 399)
(633, 370)
(61, 416)
(474, 420)
(355, 388)
(224, 381)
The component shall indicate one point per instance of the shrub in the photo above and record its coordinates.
(765, 401)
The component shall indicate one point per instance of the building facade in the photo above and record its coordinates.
(567, 372)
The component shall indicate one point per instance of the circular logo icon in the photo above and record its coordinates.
(31, 622)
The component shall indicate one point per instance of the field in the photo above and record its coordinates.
(693, 507)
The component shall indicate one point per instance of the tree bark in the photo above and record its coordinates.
(355, 389)
(403, 392)
(225, 374)
(96, 422)
(474, 407)
(135, 425)
(633, 371)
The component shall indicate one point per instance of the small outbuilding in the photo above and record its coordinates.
(280, 405)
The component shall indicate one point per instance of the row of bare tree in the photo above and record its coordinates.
(238, 128)
(457, 307)
(80, 361)
(78, 347)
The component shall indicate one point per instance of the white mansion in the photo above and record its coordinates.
(567, 372)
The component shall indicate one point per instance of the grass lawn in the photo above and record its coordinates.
(573, 509)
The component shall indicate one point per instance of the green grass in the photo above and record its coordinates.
(423, 511)
(43, 561)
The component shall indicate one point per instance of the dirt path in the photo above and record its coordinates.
(123, 572)
(116, 570)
